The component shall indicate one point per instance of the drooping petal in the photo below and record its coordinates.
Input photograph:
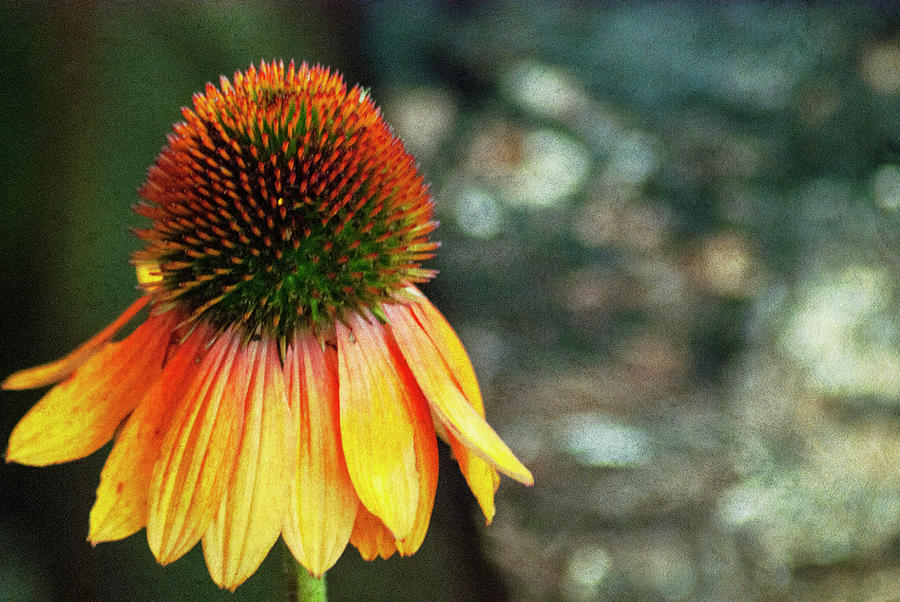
(371, 537)
(323, 504)
(455, 412)
(376, 427)
(482, 478)
(426, 455)
(252, 511)
(122, 497)
(198, 454)
(79, 415)
(449, 346)
(47, 374)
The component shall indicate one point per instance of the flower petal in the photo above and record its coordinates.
(426, 456)
(371, 537)
(323, 504)
(376, 427)
(47, 374)
(451, 406)
(79, 415)
(252, 511)
(482, 478)
(450, 347)
(122, 497)
(198, 453)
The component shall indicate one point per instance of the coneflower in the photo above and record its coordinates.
(290, 378)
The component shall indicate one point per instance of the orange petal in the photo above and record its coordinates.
(122, 497)
(376, 427)
(48, 374)
(323, 502)
(198, 453)
(252, 511)
(371, 537)
(450, 347)
(79, 415)
(447, 401)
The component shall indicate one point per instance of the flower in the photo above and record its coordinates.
(290, 378)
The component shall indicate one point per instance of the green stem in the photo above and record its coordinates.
(300, 586)
(310, 589)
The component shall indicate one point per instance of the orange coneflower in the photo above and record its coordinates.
(290, 378)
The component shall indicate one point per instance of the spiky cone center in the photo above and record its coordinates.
(282, 202)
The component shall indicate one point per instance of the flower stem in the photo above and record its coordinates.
(299, 585)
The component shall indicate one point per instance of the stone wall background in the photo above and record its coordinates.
(670, 243)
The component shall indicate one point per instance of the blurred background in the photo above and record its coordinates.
(670, 244)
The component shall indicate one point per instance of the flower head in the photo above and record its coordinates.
(290, 378)
(283, 202)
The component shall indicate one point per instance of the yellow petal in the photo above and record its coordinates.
(376, 427)
(79, 415)
(323, 505)
(252, 511)
(47, 374)
(483, 480)
(450, 347)
(198, 453)
(426, 457)
(122, 497)
(447, 401)
(371, 537)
